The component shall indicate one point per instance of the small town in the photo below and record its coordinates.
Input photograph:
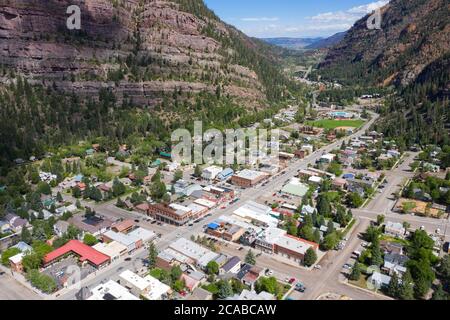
(339, 215)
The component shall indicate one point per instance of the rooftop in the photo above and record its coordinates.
(111, 290)
(250, 174)
(85, 252)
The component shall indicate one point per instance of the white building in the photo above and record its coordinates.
(258, 214)
(211, 172)
(200, 255)
(145, 235)
(111, 290)
(148, 287)
(114, 249)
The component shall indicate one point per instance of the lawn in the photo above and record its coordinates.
(333, 124)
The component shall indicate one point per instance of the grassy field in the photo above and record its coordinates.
(333, 124)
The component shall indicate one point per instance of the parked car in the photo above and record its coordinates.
(269, 272)
(300, 287)
(292, 280)
(318, 267)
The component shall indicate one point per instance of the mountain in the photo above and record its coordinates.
(139, 49)
(414, 34)
(411, 55)
(327, 42)
(292, 43)
(135, 69)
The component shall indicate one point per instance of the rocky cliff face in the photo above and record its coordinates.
(139, 49)
(413, 35)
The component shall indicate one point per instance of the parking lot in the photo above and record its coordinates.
(61, 271)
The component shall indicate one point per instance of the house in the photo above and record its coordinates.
(15, 262)
(200, 294)
(233, 266)
(394, 262)
(252, 295)
(307, 210)
(339, 184)
(94, 225)
(327, 158)
(60, 227)
(379, 280)
(394, 229)
(391, 247)
(193, 279)
(61, 210)
(16, 222)
(123, 226)
(252, 275)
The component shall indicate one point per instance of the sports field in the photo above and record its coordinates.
(333, 124)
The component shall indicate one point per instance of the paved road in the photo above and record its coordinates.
(11, 289)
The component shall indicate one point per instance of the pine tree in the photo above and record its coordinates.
(406, 291)
(394, 286)
(152, 255)
(250, 258)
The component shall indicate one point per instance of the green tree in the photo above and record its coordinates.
(394, 286)
(330, 241)
(118, 188)
(175, 273)
(439, 293)
(250, 258)
(355, 275)
(355, 200)
(198, 171)
(323, 206)
(59, 197)
(44, 188)
(8, 253)
(380, 219)
(152, 255)
(212, 268)
(178, 175)
(89, 239)
(377, 255)
(41, 281)
(25, 235)
(225, 289)
(310, 257)
(406, 291)
(76, 192)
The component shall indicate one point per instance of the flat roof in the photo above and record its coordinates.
(143, 234)
(295, 187)
(250, 174)
(111, 290)
(85, 252)
(192, 250)
(112, 249)
(206, 203)
(125, 239)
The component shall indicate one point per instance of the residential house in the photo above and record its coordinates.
(394, 229)
(395, 263)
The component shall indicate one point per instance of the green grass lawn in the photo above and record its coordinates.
(333, 124)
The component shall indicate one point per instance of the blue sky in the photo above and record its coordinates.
(292, 18)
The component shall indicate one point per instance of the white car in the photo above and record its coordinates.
(318, 267)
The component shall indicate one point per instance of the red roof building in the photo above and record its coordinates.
(85, 253)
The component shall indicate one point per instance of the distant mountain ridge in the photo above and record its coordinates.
(328, 42)
(292, 43)
(306, 43)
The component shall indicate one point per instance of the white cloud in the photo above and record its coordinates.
(260, 19)
(368, 8)
(350, 15)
